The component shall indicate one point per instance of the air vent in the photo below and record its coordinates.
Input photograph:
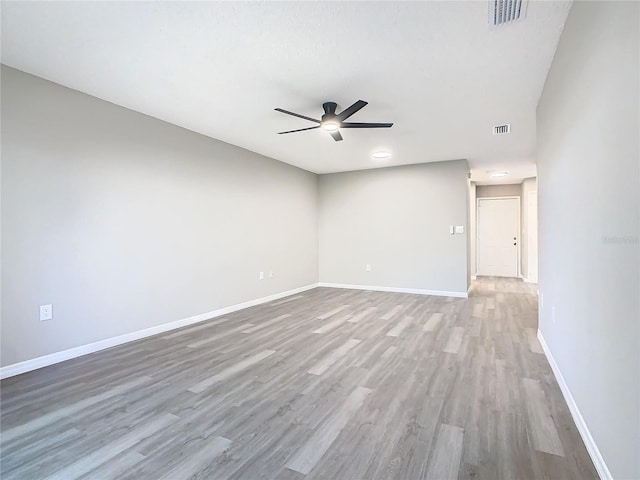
(502, 129)
(502, 12)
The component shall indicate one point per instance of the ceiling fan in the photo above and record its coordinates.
(332, 122)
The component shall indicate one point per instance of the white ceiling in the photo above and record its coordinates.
(435, 69)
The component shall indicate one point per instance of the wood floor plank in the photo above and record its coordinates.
(307, 457)
(198, 460)
(359, 316)
(232, 370)
(333, 324)
(455, 340)
(433, 322)
(331, 313)
(543, 429)
(196, 328)
(219, 336)
(324, 364)
(390, 314)
(398, 329)
(109, 451)
(446, 454)
(266, 324)
(534, 343)
(68, 410)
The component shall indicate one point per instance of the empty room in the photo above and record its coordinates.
(320, 240)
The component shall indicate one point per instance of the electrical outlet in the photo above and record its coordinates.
(261, 275)
(367, 267)
(46, 312)
(272, 275)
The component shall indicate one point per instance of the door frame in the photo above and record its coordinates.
(519, 257)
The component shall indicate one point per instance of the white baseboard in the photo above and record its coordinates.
(46, 360)
(592, 448)
(418, 291)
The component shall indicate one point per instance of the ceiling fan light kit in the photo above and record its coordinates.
(332, 122)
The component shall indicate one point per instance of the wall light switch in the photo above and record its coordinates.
(46, 312)
(368, 268)
(459, 229)
(261, 275)
(272, 275)
(451, 231)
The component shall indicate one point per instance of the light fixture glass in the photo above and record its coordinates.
(498, 174)
(330, 126)
(381, 155)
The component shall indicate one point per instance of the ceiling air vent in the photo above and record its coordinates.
(502, 12)
(502, 129)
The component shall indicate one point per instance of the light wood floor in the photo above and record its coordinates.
(326, 384)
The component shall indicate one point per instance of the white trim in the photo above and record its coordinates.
(592, 448)
(46, 360)
(417, 291)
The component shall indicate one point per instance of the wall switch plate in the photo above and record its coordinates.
(46, 312)
(459, 229)
(261, 275)
(272, 275)
(451, 231)
(367, 267)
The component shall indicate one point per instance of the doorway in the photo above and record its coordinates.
(498, 236)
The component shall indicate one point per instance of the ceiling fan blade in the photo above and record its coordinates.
(365, 125)
(297, 115)
(336, 136)
(347, 112)
(299, 130)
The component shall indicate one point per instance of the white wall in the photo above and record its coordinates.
(589, 210)
(124, 222)
(397, 220)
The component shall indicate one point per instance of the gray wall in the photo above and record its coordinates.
(124, 222)
(589, 209)
(397, 220)
(498, 190)
(527, 185)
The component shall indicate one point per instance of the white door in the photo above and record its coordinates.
(532, 243)
(498, 236)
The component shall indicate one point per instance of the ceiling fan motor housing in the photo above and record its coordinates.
(329, 110)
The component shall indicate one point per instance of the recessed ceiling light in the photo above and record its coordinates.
(330, 126)
(381, 155)
(498, 174)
